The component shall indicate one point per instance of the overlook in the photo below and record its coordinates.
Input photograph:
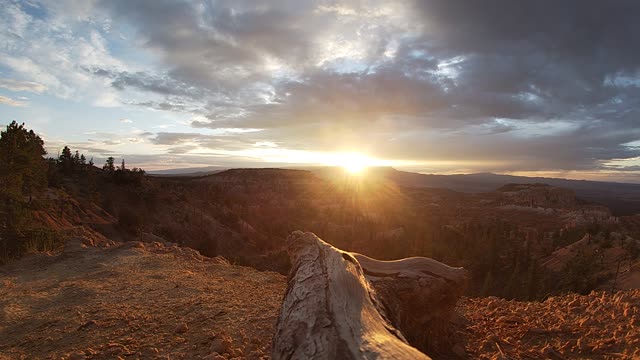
(276, 179)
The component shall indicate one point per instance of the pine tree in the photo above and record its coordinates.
(22, 167)
(109, 165)
(66, 154)
(66, 161)
(75, 163)
(23, 173)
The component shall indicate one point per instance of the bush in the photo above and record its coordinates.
(42, 240)
(14, 244)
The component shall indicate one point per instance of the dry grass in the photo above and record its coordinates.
(595, 326)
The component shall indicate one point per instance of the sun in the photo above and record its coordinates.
(353, 163)
(354, 168)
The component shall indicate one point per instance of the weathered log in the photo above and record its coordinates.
(342, 305)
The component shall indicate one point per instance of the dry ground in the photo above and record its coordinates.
(159, 301)
(595, 326)
(134, 301)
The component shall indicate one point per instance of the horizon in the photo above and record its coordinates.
(551, 90)
(196, 170)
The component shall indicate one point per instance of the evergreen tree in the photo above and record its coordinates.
(53, 173)
(23, 173)
(66, 154)
(66, 161)
(22, 167)
(75, 163)
(109, 165)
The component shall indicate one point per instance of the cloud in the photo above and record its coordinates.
(175, 105)
(159, 84)
(126, 121)
(237, 49)
(18, 85)
(490, 85)
(164, 138)
(48, 45)
(533, 85)
(183, 142)
(11, 102)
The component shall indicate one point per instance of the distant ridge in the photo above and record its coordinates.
(621, 198)
(188, 172)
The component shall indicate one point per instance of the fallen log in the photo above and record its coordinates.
(341, 305)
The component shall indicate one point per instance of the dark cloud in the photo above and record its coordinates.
(600, 34)
(166, 138)
(352, 98)
(172, 104)
(556, 50)
(543, 61)
(163, 85)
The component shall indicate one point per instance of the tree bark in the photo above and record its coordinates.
(342, 305)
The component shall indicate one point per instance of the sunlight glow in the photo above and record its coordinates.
(353, 163)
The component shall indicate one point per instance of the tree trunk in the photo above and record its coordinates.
(342, 305)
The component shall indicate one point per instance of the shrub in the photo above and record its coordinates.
(14, 244)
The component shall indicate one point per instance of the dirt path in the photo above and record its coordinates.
(135, 301)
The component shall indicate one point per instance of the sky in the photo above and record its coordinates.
(538, 87)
